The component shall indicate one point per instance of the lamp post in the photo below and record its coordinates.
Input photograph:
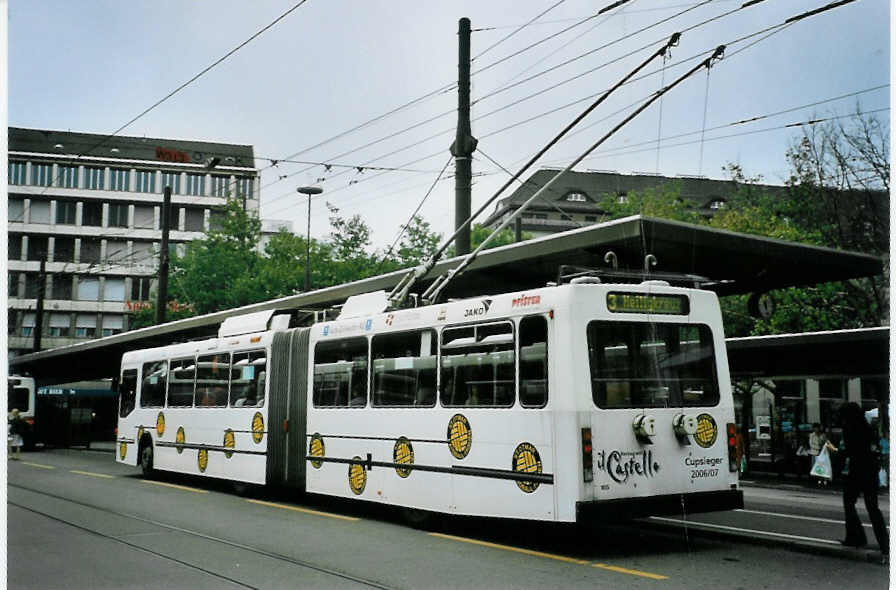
(308, 190)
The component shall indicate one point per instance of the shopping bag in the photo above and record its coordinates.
(882, 477)
(821, 467)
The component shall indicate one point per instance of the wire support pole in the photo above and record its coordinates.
(401, 290)
(432, 294)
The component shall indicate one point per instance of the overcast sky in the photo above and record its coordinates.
(333, 64)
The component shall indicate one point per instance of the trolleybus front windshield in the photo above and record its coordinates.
(649, 365)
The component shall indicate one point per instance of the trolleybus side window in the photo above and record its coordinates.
(248, 377)
(648, 365)
(212, 380)
(180, 387)
(404, 369)
(533, 361)
(478, 366)
(152, 390)
(127, 391)
(340, 373)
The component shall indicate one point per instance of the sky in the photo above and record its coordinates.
(331, 65)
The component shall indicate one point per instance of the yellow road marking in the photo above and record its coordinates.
(509, 548)
(93, 474)
(38, 465)
(305, 510)
(173, 485)
(623, 570)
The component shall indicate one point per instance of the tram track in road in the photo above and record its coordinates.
(260, 552)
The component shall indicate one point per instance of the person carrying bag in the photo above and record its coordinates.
(821, 466)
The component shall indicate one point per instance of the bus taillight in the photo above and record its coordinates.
(587, 464)
(732, 446)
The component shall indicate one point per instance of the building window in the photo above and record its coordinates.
(116, 251)
(114, 290)
(88, 289)
(118, 215)
(90, 250)
(17, 172)
(220, 186)
(64, 250)
(13, 317)
(576, 197)
(92, 213)
(95, 178)
(15, 210)
(244, 187)
(194, 219)
(62, 287)
(119, 179)
(143, 253)
(60, 325)
(140, 288)
(41, 174)
(68, 176)
(195, 184)
(85, 325)
(717, 204)
(146, 181)
(112, 324)
(37, 248)
(32, 285)
(39, 211)
(144, 217)
(28, 320)
(65, 212)
(14, 242)
(13, 284)
(622, 198)
(171, 179)
(216, 219)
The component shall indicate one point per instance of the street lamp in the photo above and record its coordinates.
(308, 190)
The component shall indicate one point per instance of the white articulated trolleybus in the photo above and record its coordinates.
(588, 394)
(543, 404)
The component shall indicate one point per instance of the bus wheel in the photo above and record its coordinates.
(146, 460)
(420, 519)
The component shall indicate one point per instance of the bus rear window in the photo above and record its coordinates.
(650, 365)
(17, 398)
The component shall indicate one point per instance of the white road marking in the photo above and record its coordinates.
(797, 516)
(740, 530)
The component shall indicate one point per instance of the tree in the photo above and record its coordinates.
(349, 240)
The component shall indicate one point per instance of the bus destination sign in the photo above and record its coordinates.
(647, 303)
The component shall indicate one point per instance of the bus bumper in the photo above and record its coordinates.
(672, 504)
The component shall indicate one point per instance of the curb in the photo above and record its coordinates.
(695, 529)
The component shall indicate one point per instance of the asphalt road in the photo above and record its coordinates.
(76, 519)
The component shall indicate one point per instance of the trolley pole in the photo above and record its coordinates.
(464, 143)
(162, 298)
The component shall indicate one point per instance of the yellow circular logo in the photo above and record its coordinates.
(526, 460)
(460, 436)
(316, 448)
(229, 442)
(357, 476)
(203, 459)
(403, 453)
(160, 424)
(123, 448)
(707, 431)
(140, 433)
(257, 427)
(180, 438)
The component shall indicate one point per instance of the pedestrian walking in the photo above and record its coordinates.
(862, 478)
(14, 438)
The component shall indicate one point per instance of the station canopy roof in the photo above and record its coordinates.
(733, 263)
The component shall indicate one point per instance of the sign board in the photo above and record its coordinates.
(763, 427)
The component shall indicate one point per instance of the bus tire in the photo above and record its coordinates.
(146, 459)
